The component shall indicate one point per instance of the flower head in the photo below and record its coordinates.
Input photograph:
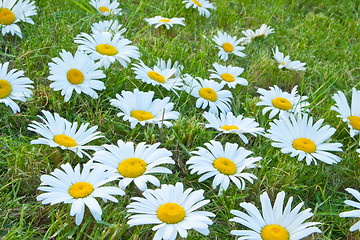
(111, 26)
(13, 86)
(353, 213)
(79, 188)
(106, 7)
(167, 22)
(286, 62)
(250, 35)
(275, 222)
(172, 209)
(228, 75)
(228, 45)
(201, 5)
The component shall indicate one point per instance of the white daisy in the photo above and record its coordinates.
(78, 72)
(106, 8)
(275, 222)
(225, 164)
(264, 30)
(228, 75)
(228, 123)
(59, 132)
(277, 101)
(227, 45)
(79, 188)
(139, 107)
(201, 5)
(164, 77)
(286, 62)
(208, 93)
(173, 210)
(300, 137)
(15, 11)
(353, 213)
(107, 48)
(250, 35)
(163, 65)
(349, 115)
(13, 86)
(111, 26)
(167, 22)
(134, 164)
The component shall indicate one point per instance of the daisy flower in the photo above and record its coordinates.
(106, 8)
(134, 164)
(229, 75)
(111, 26)
(228, 123)
(227, 45)
(167, 22)
(300, 137)
(107, 48)
(139, 107)
(250, 35)
(275, 222)
(208, 93)
(353, 213)
(225, 164)
(59, 132)
(79, 188)
(201, 5)
(163, 65)
(13, 86)
(77, 73)
(349, 115)
(173, 210)
(286, 62)
(13, 12)
(276, 101)
(158, 76)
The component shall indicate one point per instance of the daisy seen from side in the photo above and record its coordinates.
(77, 73)
(13, 12)
(300, 137)
(275, 222)
(283, 103)
(59, 132)
(106, 7)
(13, 86)
(224, 164)
(173, 210)
(250, 35)
(201, 5)
(228, 75)
(228, 123)
(285, 62)
(228, 45)
(134, 164)
(107, 48)
(349, 115)
(78, 188)
(167, 22)
(353, 213)
(208, 93)
(139, 107)
(111, 26)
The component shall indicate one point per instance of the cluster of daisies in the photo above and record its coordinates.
(172, 209)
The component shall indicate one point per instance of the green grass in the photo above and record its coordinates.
(323, 33)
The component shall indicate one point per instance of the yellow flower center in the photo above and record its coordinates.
(197, 3)
(7, 17)
(81, 190)
(274, 232)
(141, 115)
(164, 20)
(132, 167)
(104, 9)
(5, 88)
(227, 77)
(208, 94)
(283, 63)
(75, 76)
(229, 127)
(281, 103)
(225, 166)
(65, 141)
(228, 47)
(106, 49)
(354, 120)
(171, 213)
(304, 144)
(156, 77)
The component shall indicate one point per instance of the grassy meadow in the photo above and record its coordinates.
(323, 33)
